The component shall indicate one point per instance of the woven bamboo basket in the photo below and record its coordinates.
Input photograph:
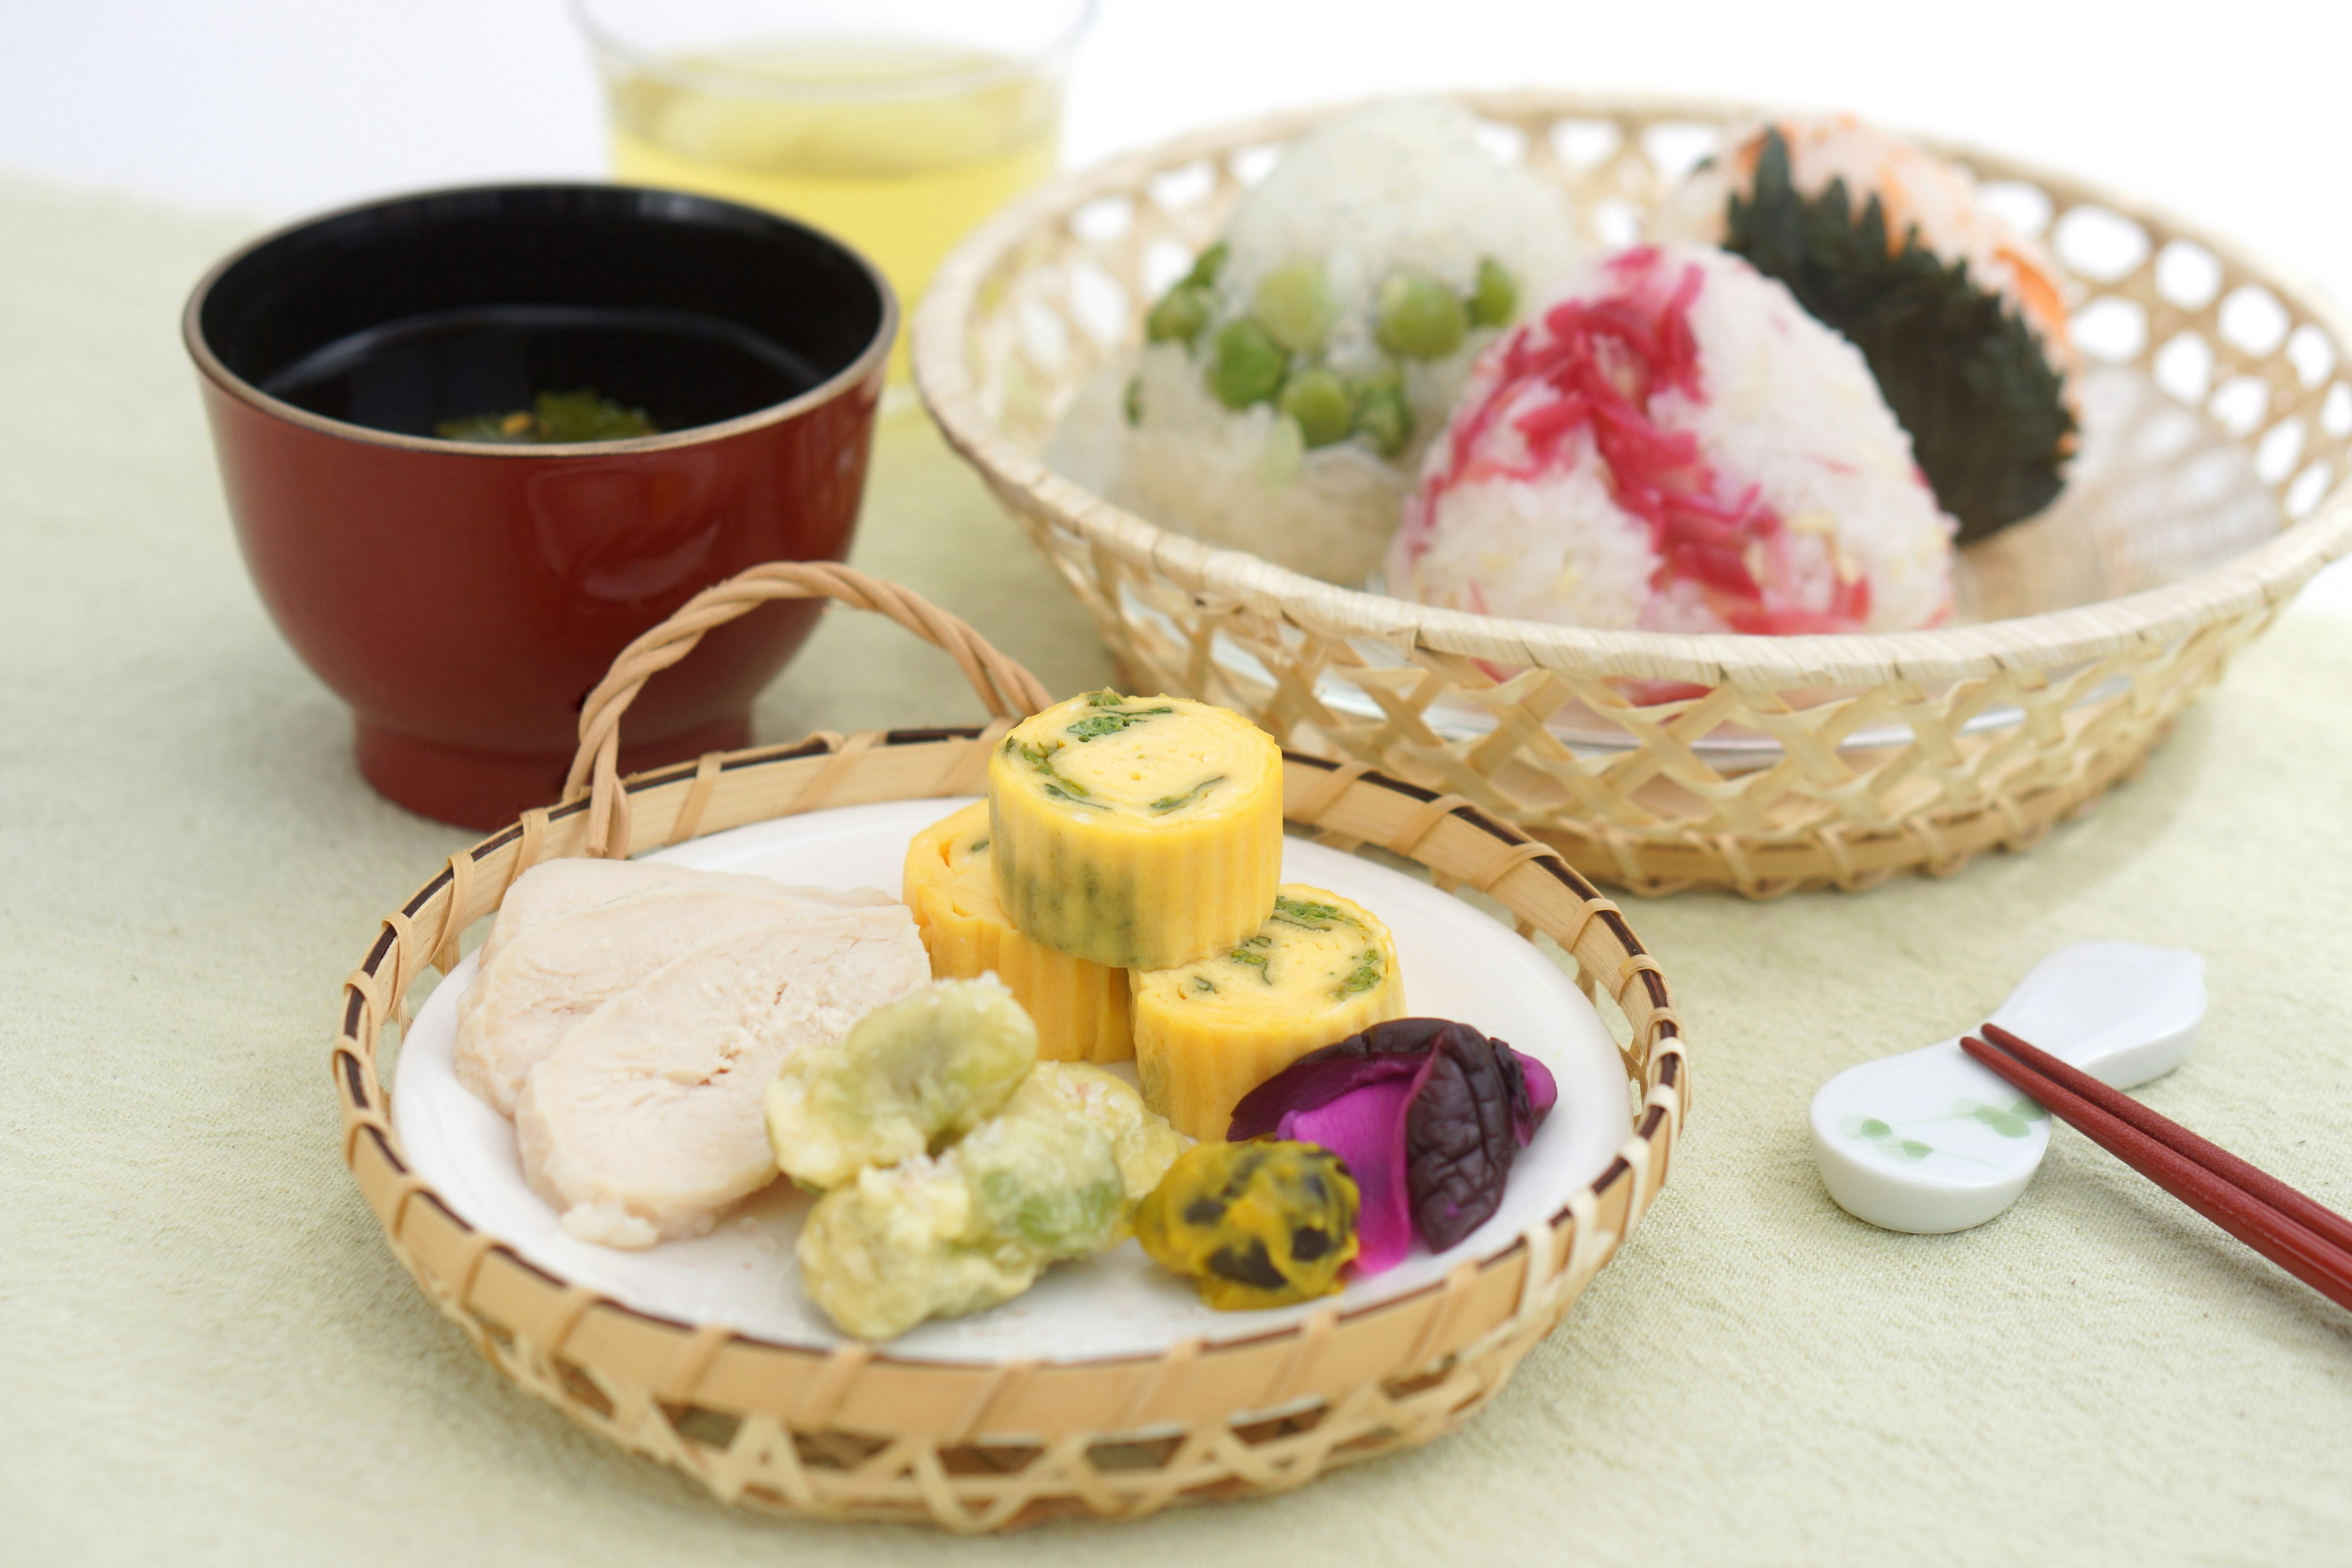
(856, 1432)
(2213, 484)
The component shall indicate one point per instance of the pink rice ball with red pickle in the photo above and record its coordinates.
(1671, 444)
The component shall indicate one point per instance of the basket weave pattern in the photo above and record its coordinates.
(1881, 753)
(859, 1433)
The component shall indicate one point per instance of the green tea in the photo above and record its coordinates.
(896, 145)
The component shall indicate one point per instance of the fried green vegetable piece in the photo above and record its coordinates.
(1247, 366)
(1044, 1176)
(906, 1077)
(897, 1245)
(1419, 319)
(1140, 1138)
(1262, 1224)
(1054, 1175)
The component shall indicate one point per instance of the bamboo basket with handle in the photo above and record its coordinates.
(856, 1432)
(2221, 482)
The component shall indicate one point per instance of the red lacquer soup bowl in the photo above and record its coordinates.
(366, 374)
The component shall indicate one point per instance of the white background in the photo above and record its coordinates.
(2235, 115)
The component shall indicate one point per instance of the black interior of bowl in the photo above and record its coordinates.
(447, 306)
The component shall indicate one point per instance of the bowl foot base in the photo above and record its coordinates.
(481, 789)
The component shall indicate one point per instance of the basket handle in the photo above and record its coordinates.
(1009, 689)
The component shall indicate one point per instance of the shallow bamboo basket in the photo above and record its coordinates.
(859, 1433)
(1809, 760)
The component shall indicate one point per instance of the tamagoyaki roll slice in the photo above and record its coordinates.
(1080, 1007)
(1135, 832)
(1321, 968)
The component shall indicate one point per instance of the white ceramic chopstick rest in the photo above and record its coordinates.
(1930, 1141)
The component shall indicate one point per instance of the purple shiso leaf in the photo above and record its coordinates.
(1461, 1135)
(1365, 1127)
(1542, 1092)
(1316, 1078)
(1462, 1105)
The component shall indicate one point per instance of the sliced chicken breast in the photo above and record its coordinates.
(645, 1123)
(555, 888)
(560, 970)
(553, 892)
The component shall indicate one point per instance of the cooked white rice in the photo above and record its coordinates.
(1401, 187)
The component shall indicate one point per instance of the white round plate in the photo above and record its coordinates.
(1458, 963)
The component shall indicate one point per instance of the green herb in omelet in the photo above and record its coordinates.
(1308, 915)
(1095, 726)
(1041, 758)
(1363, 977)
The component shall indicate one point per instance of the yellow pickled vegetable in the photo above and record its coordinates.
(1135, 832)
(1080, 1008)
(1320, 969)
(1262, 1224)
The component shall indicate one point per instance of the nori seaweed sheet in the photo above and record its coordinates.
(1962, 370)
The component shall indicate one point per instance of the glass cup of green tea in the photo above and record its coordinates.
(896, 125)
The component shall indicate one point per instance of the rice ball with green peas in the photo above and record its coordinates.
(1289, 383)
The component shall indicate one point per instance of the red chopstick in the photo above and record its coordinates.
(2312, 1254)
(2312, 1216)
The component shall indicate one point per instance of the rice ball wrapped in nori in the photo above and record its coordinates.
(1961, 317)
(1288, 385)
(1672, 444)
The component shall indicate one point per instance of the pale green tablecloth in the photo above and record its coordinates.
(207, 1354)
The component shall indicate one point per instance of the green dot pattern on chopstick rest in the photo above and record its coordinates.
(1931, 1141)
